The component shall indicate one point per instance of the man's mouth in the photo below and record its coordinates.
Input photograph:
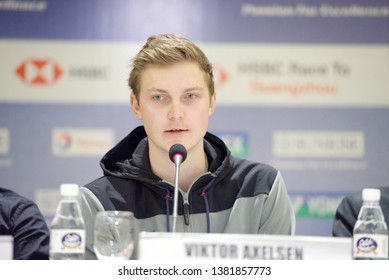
(176, 130)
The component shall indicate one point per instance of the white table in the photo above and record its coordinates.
(6, 247)
(162, 245)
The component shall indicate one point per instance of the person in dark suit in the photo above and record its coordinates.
(348, 210)
(21, 218)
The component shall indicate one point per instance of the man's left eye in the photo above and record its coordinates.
(191, 96)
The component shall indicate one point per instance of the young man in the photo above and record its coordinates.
(21, 218)
(173, 94)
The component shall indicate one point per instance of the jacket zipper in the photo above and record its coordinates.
(186, 202)
(186, 209)
(185, 196)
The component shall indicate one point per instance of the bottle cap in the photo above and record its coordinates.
(371, 195)
(69, 189)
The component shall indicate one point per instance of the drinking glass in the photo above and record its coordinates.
(114, 235)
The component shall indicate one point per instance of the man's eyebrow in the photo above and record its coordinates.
(158, 90)
(194, 88)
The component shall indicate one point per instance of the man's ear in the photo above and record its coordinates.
(212, 105)
(135, 106)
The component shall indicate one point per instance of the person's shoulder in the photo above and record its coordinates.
(12, 198)
(254, 166)
(255, 177)
(105, 181)
(355, 198)
(350, 203)
(16, 206)
(106, 184)
(8, 193)
(96, 182)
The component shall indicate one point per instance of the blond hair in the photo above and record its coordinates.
(166, 49)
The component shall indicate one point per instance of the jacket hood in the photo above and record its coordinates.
(129, 159)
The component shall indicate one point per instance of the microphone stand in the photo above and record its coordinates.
(177, 154)
(177, 161)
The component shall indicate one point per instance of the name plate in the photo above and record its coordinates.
(6, 247)
(163, 245)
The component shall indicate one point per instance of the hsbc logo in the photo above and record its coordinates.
(39, 72)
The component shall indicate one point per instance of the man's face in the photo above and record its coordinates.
(174, 105)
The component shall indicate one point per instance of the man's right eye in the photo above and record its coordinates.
(157, 97)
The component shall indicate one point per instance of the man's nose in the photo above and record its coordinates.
(176, 110)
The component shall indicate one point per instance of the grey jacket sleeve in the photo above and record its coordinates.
(278, 215)
(90, 205)
(264, 213)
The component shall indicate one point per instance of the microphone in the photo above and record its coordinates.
(177, 155)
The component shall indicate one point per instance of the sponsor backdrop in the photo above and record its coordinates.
(302, 85)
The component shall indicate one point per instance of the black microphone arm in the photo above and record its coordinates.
(177, 154)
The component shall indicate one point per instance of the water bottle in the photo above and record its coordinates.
(67, 230)
(370, 235)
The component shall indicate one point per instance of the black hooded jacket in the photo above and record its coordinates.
(234, 196)
(21, 218)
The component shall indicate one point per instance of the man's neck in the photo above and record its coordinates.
(194, 166)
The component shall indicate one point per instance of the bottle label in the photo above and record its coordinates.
(67, 241)
(374, 246)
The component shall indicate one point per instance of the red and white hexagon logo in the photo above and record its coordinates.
(39, 71)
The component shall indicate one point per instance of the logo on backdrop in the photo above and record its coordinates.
(23, 6)
(316, 205)
(237, 142)
(39, 72)
(4, 141)
(220, 75)
(319, 149)
(77, 142)
(64, 141)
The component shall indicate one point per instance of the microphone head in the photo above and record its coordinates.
(175, 150)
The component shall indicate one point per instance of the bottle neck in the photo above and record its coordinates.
(69, 205)
(371, 210)
(69, 197)
(371, 203)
